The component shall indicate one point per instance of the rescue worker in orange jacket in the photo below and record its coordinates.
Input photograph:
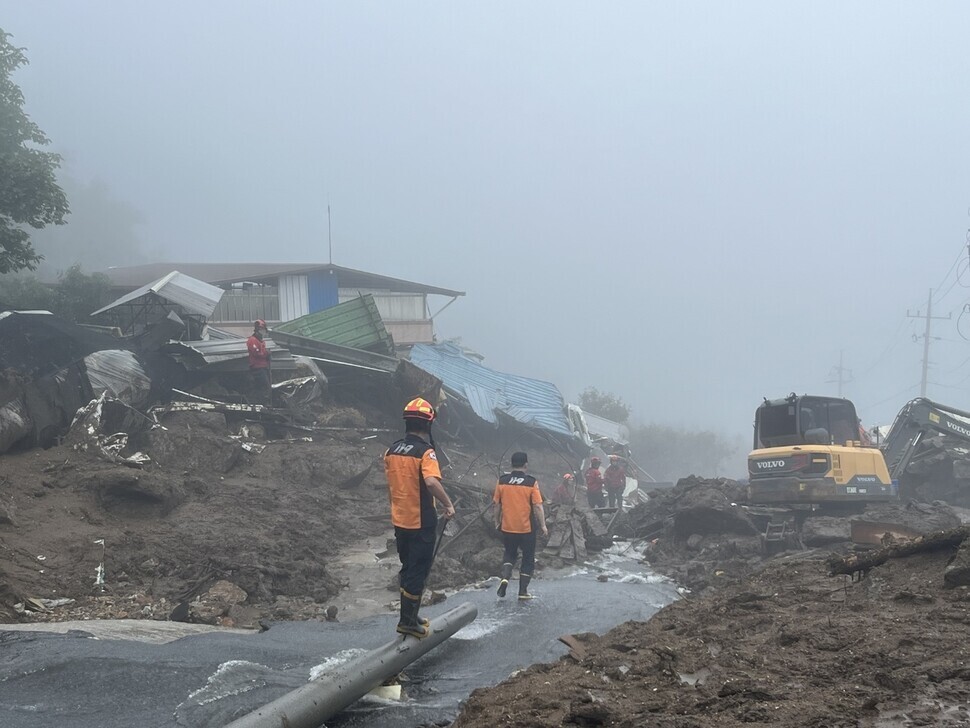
(594, 484)
(615, 481)
(414, 483)
(565, 491)
(259, 362)
(518, 510)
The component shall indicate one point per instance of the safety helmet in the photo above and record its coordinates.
(567, 476)
(594, 459)
(260, 323)
(419, 409)
(614, 457)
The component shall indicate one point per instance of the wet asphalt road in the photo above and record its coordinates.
(73, 681)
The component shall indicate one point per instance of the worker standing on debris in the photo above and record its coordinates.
(594, 484)
(565, 492)
(615, 481)
(259, 362)
(518, 508)
(414, 483)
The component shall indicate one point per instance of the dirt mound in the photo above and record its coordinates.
(790, 646)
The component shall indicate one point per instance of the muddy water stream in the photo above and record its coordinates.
(207, 680)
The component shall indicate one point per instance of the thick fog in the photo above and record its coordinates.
(693, 205)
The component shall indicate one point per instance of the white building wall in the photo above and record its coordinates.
(294, 297)
(392, 306)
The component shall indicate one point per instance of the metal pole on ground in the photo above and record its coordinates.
(316, 702)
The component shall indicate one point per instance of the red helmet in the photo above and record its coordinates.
(594, 459)
(419, 409)
(567, 476)
(260, 323)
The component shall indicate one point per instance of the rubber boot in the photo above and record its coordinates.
(409, 625)
(423, 621)
(524, 580)
(503, 585)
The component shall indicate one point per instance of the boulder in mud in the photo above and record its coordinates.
(213, 605)
(957, 572)
(826, 530)
(192, 450)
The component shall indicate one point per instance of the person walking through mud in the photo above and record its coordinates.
(414, 483)
(259, 358)
(518, 509)
(615, 480)
(594, 484)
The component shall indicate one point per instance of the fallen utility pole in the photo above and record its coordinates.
(316, 702)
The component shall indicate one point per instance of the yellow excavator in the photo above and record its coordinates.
(811, 450)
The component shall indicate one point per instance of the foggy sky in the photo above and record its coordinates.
(693, 205)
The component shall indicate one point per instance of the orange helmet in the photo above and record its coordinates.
(419, 409)
(567, 476)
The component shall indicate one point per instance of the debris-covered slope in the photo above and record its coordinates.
(789, 646)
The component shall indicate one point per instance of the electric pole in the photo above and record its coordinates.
(929, 317)
(840, 374)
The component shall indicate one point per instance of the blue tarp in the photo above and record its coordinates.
(530, 401)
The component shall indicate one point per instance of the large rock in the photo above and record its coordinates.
(192, 450)
(958, 571)
(213, 605)
(826, 530)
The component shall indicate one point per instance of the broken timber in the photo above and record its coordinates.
(313, 704)
(930, 542)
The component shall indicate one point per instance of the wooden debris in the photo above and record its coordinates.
(931, 542)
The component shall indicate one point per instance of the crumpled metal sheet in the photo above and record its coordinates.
(120, 375)
(533, 402)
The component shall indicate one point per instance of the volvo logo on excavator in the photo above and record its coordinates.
(769, 464)
(958, 428)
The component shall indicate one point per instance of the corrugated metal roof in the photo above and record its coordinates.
(355, 323)
(217, 273)
(336, 354)
(226, 353)
(193, 295)
(532, 402)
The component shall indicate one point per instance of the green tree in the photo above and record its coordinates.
(74, 297)
(604, 404)
(29, 194)
(669, 453)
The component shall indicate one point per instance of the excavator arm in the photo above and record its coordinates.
(920, 418)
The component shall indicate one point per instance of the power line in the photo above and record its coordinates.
(839, 373)
(929, 317)
(963, 248)
(892, 396)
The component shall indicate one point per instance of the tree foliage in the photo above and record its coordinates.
(669, 453)
(604, 404)
(103, 231)
(29, 194)
(74, 297)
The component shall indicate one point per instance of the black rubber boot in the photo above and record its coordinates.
(423, 621)
(524, 580)
(503, 585)
(409, 624)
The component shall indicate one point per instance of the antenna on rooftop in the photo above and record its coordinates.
(329, 234)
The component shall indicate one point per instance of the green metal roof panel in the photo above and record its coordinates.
(356, 323)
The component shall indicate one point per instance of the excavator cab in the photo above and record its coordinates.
(807, 449)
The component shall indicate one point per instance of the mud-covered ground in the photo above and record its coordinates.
(268, 525)
(787, 645)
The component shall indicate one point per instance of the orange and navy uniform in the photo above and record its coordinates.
(407, 463)
(516, 493)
